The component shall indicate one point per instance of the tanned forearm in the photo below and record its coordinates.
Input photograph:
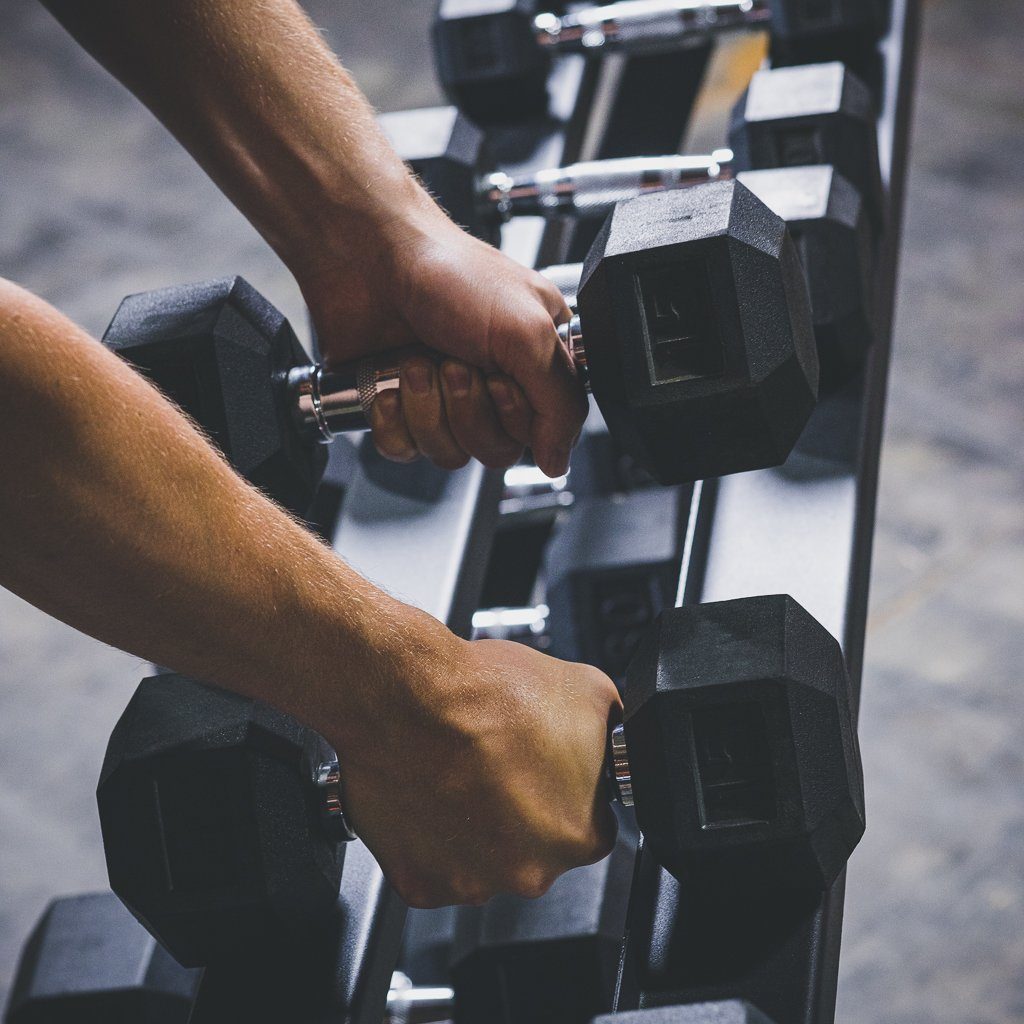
(118, 517)
(250, 88)
(252, 91)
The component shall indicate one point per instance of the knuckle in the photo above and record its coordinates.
(470, 892)
(531, 882)
(600, 681)
(602, 844)
(543, 328)
(414, 894)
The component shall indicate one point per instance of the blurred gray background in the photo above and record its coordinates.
(97, 201)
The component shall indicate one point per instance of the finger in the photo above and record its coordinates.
(534, 356)
(390, 435)
(554, 300)
(425, 417)
(513, 409)
(473, 418)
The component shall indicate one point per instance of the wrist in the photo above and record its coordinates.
(372, 668)
(358, 233)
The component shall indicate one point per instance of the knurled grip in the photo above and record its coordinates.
(366, 384)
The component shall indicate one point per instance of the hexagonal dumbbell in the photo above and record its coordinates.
(88, 959)
(493, 57)
(693, 331)
(741, 746)
(827, 219)
(219, 824)
(609, 571)
(815, 114)
(788, 117)
(739, 754)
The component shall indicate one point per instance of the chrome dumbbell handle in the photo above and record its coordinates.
(645, 25)
(327, 780)
(410, 1004)
(619, 770)
(593, 188)
(326, 402)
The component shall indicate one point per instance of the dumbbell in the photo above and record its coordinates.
(221, 820)
(789, 125)
(699, 349)
(788, 117)
(493, 57)
(89, 960)
(611, 567)
(738, 753)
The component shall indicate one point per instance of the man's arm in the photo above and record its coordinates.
(119, 518)
(263, 105)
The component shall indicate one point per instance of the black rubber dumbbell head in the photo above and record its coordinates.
(491, 65)
(88, 959)
(447, 152)
(744, 756)
(816, 114)
(219, 351)
(549, 960)
(212, 827)
(730, 1011)
(609, 570)
(802, 32)
(721, 372)
(488, 59)
(826, 217)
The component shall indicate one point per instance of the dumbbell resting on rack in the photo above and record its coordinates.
(693, 377)
(788, 117)
(88, 959)
(493, 57)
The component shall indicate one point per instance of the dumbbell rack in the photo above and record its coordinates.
(805, 529)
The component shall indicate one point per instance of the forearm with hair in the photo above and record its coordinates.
(252, 91)
(118, 517)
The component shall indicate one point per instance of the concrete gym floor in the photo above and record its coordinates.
(97, 201)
